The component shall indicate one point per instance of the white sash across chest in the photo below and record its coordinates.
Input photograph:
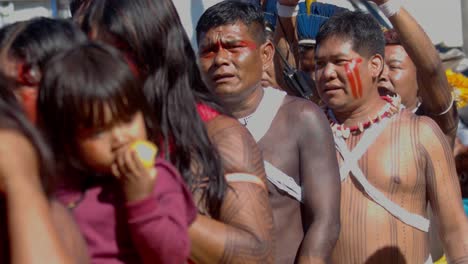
(258, 125)
(350, 166)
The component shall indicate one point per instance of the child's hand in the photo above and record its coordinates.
(137, 181)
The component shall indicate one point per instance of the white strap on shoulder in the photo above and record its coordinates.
(261, 120)
(283, 181)
(351, 164)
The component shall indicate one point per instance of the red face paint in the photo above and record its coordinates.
(229, 45)
(248, 44)
(354, 77)
(28, 100)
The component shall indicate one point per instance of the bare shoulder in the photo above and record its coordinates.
(68, 232)
(238, 149)
(424, 130)
(305, 115)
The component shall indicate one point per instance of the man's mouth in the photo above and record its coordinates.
(221, 78)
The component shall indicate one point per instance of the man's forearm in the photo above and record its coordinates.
(434, 88)
(318, 242)
(215, 242)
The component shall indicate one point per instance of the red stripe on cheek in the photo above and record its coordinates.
(349, 74)
(356, 63)
(28, 101)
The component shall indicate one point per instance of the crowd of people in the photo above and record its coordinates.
(248, 170)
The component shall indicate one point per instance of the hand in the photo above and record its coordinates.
(288, 2)
(137, 181)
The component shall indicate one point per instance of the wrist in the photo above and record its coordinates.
(287, 11)
(391, 8)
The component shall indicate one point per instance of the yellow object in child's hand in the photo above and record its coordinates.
(146, 152)
(309, 6)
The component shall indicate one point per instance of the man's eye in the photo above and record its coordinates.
(394, 67)
(341, 62)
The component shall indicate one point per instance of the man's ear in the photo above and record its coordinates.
(376, 65)
(267, 53)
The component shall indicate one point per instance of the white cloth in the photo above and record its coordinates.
(258, 125)
(260, 121)
(350, 164)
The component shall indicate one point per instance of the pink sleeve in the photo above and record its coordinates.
(159, 223)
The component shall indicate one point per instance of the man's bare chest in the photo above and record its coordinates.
(392, 163)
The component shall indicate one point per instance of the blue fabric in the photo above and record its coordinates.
(465, 205)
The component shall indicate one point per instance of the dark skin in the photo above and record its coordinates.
(244, 232)
(414, 167)
(299, 130)
(29, 215)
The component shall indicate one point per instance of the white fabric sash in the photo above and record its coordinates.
(258, 125)
(350, 164)
(262, 118)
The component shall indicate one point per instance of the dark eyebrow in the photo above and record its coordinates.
(395, 60)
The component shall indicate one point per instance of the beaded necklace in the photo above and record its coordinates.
(392, 107)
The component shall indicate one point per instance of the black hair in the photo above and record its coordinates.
(33, 42)
(360, 28)
(231, 12)
(151, 33)
(78, 86)
(392, 37)
(12, 118)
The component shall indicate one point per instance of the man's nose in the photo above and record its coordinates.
(221, 57)
(329, 71)
(384, 75)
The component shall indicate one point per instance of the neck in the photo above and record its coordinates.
(412, 105)
(361, 113)
(246, 106)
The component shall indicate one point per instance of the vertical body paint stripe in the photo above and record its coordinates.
(349, 74)
(358, 78)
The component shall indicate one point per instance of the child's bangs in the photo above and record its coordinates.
(104, 112)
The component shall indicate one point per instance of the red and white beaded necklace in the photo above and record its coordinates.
(392, 107)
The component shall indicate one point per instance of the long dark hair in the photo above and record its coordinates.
(78, 86)
(13, 118)
(33, 42)
(151, 34)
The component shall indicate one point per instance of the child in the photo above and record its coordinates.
(29, 221)
(91, 108)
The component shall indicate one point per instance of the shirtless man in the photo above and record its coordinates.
(292, 133)
(412, 62)
(392, 163)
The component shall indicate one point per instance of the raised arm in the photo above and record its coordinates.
(32, 234)
(286, 42)
(321, 186)
(244, 234)
(434, 90)
(444, 191)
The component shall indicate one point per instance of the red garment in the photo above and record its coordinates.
(206, 113)
(153, 230)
